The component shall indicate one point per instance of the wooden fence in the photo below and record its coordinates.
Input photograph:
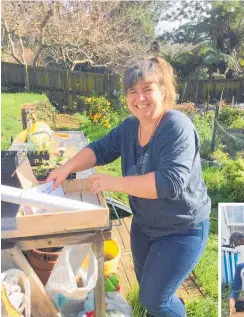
(211, 89)
(63, 87)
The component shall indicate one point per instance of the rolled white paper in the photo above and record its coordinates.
(44, 201)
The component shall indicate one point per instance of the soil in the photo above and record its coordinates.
(67, 122)
(79, 282)
(107, 257)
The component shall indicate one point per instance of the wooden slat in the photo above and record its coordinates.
(123, 281)
(125, 237)
(52, 223)
(115, 232)
(57, 240)
(127, 222)
(74, 195)
(99, 291)
(128, 266)
(90, 198)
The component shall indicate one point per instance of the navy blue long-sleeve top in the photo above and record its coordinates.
(237, 283)
(173, 154)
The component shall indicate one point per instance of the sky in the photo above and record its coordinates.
(169, 26)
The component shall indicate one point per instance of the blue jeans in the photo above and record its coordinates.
(162, 264)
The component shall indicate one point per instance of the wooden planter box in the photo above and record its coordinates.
(54, 222)
(37, 159)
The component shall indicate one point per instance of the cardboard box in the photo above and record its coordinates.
(29, 224)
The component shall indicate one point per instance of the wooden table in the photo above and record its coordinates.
(12, 256)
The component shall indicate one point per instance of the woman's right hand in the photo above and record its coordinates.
(58, 176)
(232, 306)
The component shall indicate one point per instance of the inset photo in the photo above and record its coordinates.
(232, 259)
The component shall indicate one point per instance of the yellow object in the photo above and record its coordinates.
(38, 133)
(21, 138)
(7, 309)
(111, 257)
(39, 126)
(63, 135)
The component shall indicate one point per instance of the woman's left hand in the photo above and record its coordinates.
(104, 182)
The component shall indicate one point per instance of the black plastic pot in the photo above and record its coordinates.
(44, 175)
(8, 167)
(37, 159)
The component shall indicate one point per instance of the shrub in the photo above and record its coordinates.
(233, 171)
(104, 111)
(44, 111)
(225, 183)
(204, 126)
(214, 179)
(231, 117)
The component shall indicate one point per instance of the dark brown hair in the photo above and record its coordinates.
(162, 72)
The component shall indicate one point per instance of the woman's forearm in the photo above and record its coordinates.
(83, 160)
(142, 186)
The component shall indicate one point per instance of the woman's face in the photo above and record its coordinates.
(145, 100)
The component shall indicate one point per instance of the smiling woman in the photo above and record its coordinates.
(161, 168)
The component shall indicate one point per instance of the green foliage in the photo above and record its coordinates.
(204, 125)
(214, 179)
(231, 117)
(202, 307)
(224, 183)
(105, 112)
(225, 297)
(217, 33)
(11, 116)
(234, 180)
(133, 299)
(208, 279)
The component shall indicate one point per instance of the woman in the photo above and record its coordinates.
(161, 168)
(237, 286)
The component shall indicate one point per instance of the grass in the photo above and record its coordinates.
(202, 307)
(11, 114)
(225, 296)
(207, 278)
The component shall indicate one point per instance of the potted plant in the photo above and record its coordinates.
(37, 155)
(41, 172)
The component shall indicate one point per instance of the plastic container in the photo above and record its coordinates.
(111, 257)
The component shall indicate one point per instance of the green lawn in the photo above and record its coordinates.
(11, 116)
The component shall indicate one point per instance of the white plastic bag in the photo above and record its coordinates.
(62, 283)
(19, 298)
(117, 303)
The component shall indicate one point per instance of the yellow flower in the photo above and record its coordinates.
(88, 99)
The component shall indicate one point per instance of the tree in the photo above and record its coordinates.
(217, 34)
(60, 33)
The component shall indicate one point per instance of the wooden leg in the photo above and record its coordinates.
(99, 292)
(41, 306)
